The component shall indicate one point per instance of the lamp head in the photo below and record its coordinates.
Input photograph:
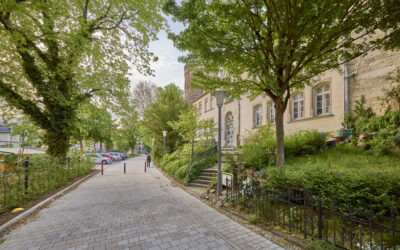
(219, 96)
(164, 133)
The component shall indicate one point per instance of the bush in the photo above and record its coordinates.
(45, 173)
(259, 152)
(175, 164)
(344, 174)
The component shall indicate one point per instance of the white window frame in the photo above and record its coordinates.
(299, 101)
(257, 116)
(325, 95)
(272, 113)
(205, 105)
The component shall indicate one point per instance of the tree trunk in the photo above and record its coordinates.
(280, 143)
(101, 145)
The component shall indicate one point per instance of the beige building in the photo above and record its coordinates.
(321, 106)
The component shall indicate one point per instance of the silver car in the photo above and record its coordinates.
(116, 155)
(98, 159)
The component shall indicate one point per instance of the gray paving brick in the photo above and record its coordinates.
(136, 210)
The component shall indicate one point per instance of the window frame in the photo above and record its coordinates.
(324, 104)
(271, 105)
(300, 112)
(257, 113)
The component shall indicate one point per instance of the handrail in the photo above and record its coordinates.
(202, 154)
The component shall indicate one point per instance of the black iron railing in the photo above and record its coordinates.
(302, 212)
(201, 155)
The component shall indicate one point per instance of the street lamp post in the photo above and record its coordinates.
(164, 134)
(219, 96)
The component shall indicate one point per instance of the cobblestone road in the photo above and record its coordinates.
(133, 211)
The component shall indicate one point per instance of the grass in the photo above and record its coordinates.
(345, 157)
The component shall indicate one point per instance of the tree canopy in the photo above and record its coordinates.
(273, 46)
(169, 105)
(54, 54)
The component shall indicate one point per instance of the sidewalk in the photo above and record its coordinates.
(133, 211)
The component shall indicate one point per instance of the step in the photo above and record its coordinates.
(200, 182)
(209, 171)
(204, 178)
(198, 185)
(208, 174)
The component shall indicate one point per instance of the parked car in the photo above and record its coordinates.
(98, 159)
(108, 156)
(115, 155)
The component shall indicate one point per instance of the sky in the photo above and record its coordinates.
(167, 69)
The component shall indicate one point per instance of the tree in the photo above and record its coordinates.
(169, 105)
(30, 134)
(282, 45)
(187, 126)
(129, 128)
(99, 125)
(54, 54)
(144, 94)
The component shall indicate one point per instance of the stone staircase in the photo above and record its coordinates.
(207, 174)
(205, 177)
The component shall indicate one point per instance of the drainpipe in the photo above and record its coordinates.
(344, 84)
(238, 142)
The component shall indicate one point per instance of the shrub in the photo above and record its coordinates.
(259, 152)
(175, 164)
(344, 174)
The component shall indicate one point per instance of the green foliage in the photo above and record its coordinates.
(319, 245)
(29, 133)
(343, 174)
(159, 115)
(254, 218)
(281, 45)
(200, 164)
(377, 134)
(45, 173)
(125, 136)
(259, 152)
(56, 54)
(175, 164)
(186, 126)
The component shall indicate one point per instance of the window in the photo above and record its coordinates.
(229, 129)
(200, 107)
(322, 100)
(205, 105)
(298, 106)
(257, 116)
(272, 112)
(211, 102)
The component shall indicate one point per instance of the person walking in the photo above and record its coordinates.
(148, 159)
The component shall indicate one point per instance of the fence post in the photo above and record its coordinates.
(26, 183)
(102, 167)
(145, 167)
(124, 167)
(319, 218)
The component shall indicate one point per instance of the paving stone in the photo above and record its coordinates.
(136, 210)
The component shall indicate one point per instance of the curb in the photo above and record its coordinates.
(28, 212)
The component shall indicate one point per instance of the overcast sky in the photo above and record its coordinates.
(167, 69)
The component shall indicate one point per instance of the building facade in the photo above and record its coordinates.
(320, 107)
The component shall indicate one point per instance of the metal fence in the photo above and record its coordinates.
(30, 179)
(301, 212)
